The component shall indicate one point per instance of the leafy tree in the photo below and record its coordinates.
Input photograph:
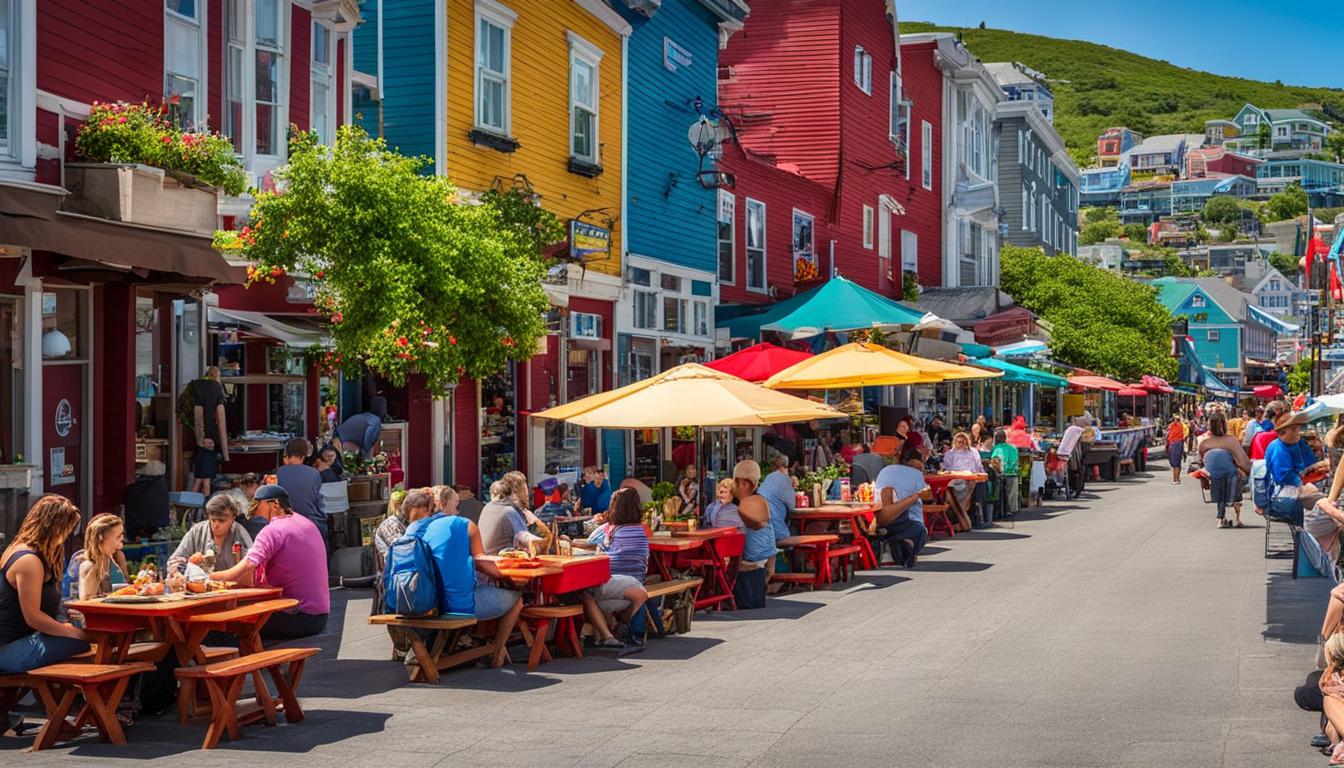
(412, 278)
(1101, 321)
(1289, 203)
(1299, 376)
(1227, 233)
(1262, 136)
(1176, 266)
(1099, 231)
(1334, 146)
(1137, 233)
(1094, 215)
(1220, 210)
(1285, 263)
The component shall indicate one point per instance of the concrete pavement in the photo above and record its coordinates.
(1121, 629)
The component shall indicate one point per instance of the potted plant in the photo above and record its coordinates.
(136, 165)
(17, 475)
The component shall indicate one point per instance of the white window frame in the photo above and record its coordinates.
(863, 70)
(325, 75)
(1026, 198)
(925, 155)
(763, 250)
(1197, 302)
(700, 318)
(247, 48)
(727, 214)
(196, 27)
(910, 259)
(503, 17)
(868, 219)
(650, 299)
(1213, 336)
(582, 51)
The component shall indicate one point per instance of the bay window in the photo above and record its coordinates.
(184, 64)
(254, 77)
(584, 60)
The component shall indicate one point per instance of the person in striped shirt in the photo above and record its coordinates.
(627, 544)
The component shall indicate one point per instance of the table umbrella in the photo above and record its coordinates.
(758, 362)
(869, 365)
(842, 305)
(1267, 391)
(1095, 382)
(689, 395)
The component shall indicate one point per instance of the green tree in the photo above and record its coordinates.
(1094, 215)
(1221, 210)
(1227, 232)
(1175, 265)
(1101, 321)
(1099, 231)
(1299, 376)
(412, 278)
(1137, 233)
(1262, 136)
(1288, 204)
(1285, 263)
(1334, 146)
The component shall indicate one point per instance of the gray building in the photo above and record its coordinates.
(1038, 181)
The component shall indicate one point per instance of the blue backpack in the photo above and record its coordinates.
(411, 578)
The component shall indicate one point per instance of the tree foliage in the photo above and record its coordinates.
(1101, 225)
(412, 278)
(1221, 210)
(1101, 321)
(1285, 263)
(1288, 204)
(1299, 376)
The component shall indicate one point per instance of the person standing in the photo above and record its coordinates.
(1226, 463)
(212, 434)
(1175, 447)
(1009, 464)
(303, 485)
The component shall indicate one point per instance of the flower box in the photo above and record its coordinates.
(140, 194)
(359, 489)
(16, 476)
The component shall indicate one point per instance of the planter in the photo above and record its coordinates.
(16, 476)
(139, 194)
(359, 489)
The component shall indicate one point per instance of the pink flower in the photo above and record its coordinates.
(121, 119)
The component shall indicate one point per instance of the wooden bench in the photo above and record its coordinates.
(815, 546)
(665, 589)
(442, 652)
(12, 689)
(845, 556)
(541, 619)
(224, 681)
(101, 686)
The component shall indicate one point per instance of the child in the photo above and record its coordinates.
(101, 543)
(722, 512)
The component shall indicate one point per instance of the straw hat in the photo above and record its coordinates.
(1291, 419)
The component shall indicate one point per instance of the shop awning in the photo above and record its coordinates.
(1267, 391)
(1024, 348)
(758, 362)
(1022, 374)
(836, 305)
(1095, 382)
(1276, 324)
(292, 332)
(1133, 391)
(1156, 384)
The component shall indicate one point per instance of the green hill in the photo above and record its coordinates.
(1097, 87)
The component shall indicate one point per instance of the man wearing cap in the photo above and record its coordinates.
(1287, 459)
(288, 553)
(758, 555)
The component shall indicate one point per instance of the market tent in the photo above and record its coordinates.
(1022, 374)
(841, 305)
(689, 395)
(1156, 384)
(1267, 391)
(1325, 405)
(758, 362)
(1095, 382)
(1133, 391)
(870, 365)
(1024, 348)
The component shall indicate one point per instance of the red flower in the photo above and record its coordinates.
(401, 341)
(275, 271)
(452, 340)
(507, 341)
(167, 139)
(320, 274)
(336, 317)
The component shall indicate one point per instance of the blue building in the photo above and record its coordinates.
(397, 100)
(1322, 180)
(1102, 186)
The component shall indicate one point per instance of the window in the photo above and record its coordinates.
(183, 64)
(1213, 336)
(727, 241)
(253, 96)
(755, 245)
(898, 121)
(868, 227)
(909, 251)
(494, 27)
(322, 106)
(670, 282)
(584, 60)
(674, 314)
(8, 85)
(700, 325)
(863, 70)
(268, 75)
(926, 154)
(1026, 196)
(804, 246)
(1197, 301)
(646, 310)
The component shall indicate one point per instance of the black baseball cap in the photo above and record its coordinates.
(272, 492)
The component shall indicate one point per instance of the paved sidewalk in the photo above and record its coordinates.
(1119, 630)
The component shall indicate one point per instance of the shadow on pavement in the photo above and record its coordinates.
(951, 566)
(983, 535)
(1293, 607)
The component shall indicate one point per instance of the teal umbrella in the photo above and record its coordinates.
(841, 305)
(1022, 374)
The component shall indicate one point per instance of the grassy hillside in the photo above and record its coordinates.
(1097, 87)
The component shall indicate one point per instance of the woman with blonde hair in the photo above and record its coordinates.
(30, 595)
(1332, 690)
(102, 540)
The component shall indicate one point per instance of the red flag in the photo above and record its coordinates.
(1336, 290)
(1316, 247)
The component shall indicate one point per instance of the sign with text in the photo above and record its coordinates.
(588, 242)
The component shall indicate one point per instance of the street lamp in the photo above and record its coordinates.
(707, 140)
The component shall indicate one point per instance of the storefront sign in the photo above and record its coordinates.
(804, 247)
(674, 56)
(585, 325)
(64, 418)
(61, 473)
(588, 242)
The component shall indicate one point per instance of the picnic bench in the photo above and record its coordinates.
(448, 632)
(815, 547)
(663, 589)
(224, 681)
(58, 685)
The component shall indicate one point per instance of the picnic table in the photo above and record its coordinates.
(856, 514)
(717, 564)
(938, 482)
(663, 551)
(558, 575)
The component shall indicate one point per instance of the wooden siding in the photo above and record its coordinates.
(539, 83)
(365, 37)
(672, 218)
(300, 60)
(100, 51)
(408, 83)
(923, 84)
(466, 444)
(784, 88)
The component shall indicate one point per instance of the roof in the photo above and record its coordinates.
(1169, 142)
(1007, 73)
(1234, 302)
(963, 304)
(1287, 114)
(1171, 292)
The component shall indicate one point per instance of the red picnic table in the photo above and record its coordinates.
(938, 482)
(857, 514)
(557, 575)
(717, 564)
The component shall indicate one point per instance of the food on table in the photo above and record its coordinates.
(125, 591)
(196, 558)
(196, 587)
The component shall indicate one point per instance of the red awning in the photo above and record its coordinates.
(1132, 391)
(1095, 382)
(1267, 391)
(1156, 384)
(758, 362)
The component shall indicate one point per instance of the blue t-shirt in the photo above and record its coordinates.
(777, 490)
(304, 486)
(449, 538)
(595, 497)
(1285, 463)
(903, 481)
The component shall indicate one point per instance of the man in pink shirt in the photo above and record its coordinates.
(288, 553)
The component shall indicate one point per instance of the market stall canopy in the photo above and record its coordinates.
(292, 332)
(1132, 391)
(1323, 406)
(870, 365)
(1024, 348)
(1267, 391)
(689, 395)
(758, 362)
(1156, 384)
(1022, 374)
(933, 322)
(836, 305)
(1095, 382)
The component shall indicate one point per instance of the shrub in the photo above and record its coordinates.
(140, 133)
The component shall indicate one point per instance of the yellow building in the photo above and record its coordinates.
(534, 95)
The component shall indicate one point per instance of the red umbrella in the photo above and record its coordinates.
(1156, 384)
(759, 362)
(1133, 391)
(1095, 382)
(1267, 391)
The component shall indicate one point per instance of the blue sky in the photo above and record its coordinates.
(1288, 40)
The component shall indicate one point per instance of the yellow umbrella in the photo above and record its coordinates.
(870, 365)
(689, 395)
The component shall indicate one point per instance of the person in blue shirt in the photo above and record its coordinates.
(758, 556)
(778, 492)
(1287, 459)
(304, 486)
(596, 491)
(900, 520)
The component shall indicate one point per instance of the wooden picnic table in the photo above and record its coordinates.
(857, 514)
(717, 567)
(112, 626)
(938, 482)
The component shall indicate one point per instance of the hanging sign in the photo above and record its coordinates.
(65, 418)
(588, 242)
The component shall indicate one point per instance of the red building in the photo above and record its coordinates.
(107, 311)
(1217, 161)
(827, 157)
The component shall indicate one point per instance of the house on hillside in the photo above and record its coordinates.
(1038, 182)
(1021, 83)
(1322, 180)
(1191, 195)
(1276, 293)
(1114, 143)
(1159, 156)
(1218, 131)
(1102, 186)
(1277, 133)
(1217, 160)
(1145, 202)
(1230, 334)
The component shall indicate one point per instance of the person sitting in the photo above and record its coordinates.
(627, 545)
(962, 458)
(1226, 464)
(722, 511)
(1332, 690)
(1287, 459)
(303, 486)
(759, 552)
(779, 494)
(327, 465)
(1019, 436)
(1266, 432)
(595, 494)
(30, 595)
(217, 542)
(102, 541)
(455, 543)
(865, 466)
(900, 520)
(504, 523)
(288, 553)
(245, 489)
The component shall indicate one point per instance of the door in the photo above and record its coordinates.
(884, 276)
(62, 425)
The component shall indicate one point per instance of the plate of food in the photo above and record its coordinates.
(517, 558)
(208, 587)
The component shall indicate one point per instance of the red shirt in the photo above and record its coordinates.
(1260, 442)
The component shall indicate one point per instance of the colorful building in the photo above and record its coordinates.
(1038, 182)
(1276, 133)
(1113, 143)
(1231, 336)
